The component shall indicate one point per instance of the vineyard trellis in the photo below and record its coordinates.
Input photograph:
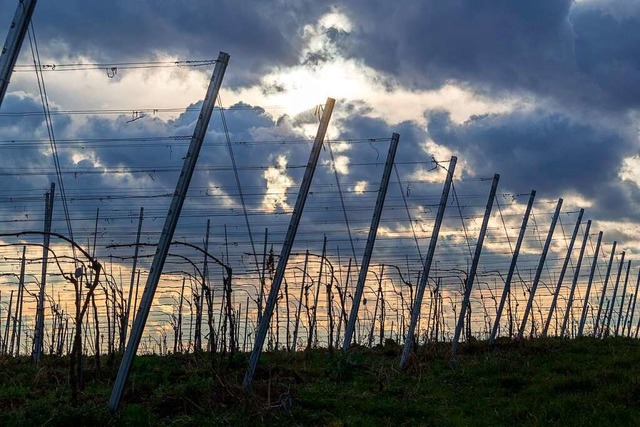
(210, 300)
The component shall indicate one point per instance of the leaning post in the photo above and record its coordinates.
(288, 243)
(417, 302)
(512, 268)
(13, 43)
(371, 239)
(622, 297)
(125, 326)
(474, 264)
(563, 271)
(536, 278)
(299, 308)
(576, 275)
(615, 292)
(18, 317)
(168, 229)
(585, 305)
(633, 307)
(38, 335)
(604, 289)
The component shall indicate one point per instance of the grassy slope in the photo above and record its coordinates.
(542, 382)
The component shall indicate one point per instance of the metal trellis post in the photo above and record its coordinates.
(38, 334)
(313, 330)
(576, 275)
(633, 307)
(17, 320)
(512, 267)
(299, 308)
(169, 227)
(13, 43)
(615, 292)
(288, 242)
(371, 239)
(474, 264)
(536, 278)
(622, 297)
(604, 289)
(565, 264)
(417, 302)
(585, 305)
(125, 327)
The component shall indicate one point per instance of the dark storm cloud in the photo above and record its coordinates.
(468, 40)
(575, 53)
(607, 49)
(258, 35)
(553, 153)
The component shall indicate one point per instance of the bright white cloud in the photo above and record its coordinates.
(341, 164)
(278, 182)
(630, 170)
(360, 187)
(221, 196)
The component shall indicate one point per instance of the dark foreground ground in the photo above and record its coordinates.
(541, 382)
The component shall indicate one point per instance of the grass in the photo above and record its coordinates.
(539, 382)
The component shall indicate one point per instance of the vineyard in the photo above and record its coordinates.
(204, 230)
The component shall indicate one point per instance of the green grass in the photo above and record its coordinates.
(539, 382)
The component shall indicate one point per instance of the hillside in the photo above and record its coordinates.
(539, 382)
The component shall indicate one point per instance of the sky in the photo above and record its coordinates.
(546, 94)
